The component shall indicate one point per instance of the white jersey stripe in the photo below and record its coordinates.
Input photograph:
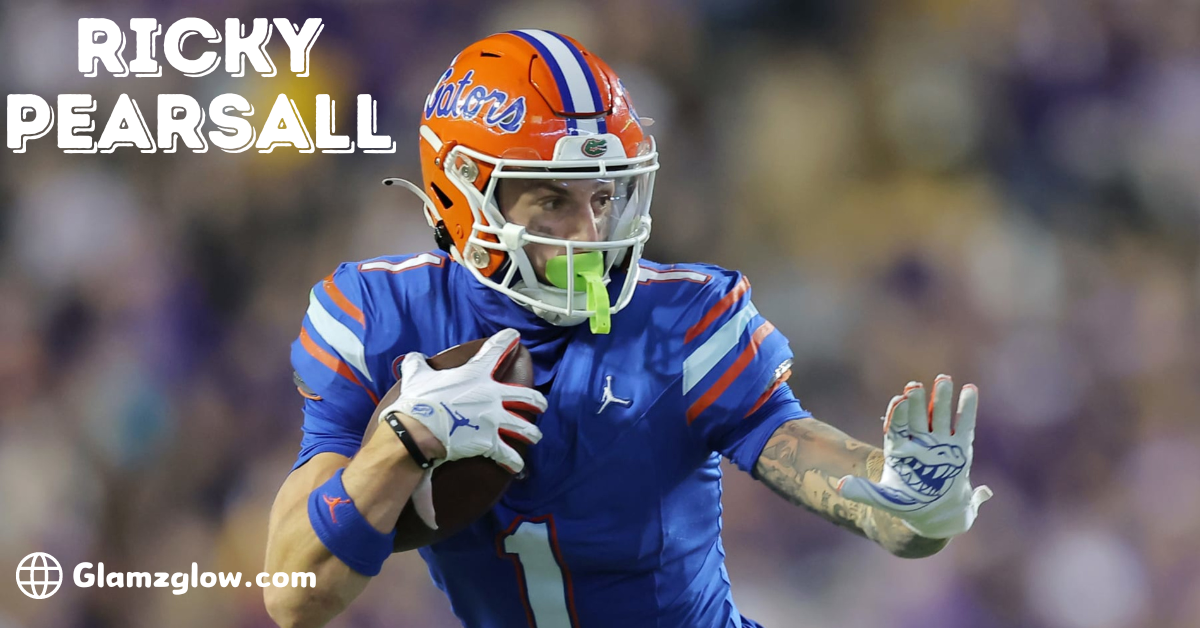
(337, 335)
(649, 274)
(395, 267)
(706, 356)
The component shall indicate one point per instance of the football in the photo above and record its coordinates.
(463, 490)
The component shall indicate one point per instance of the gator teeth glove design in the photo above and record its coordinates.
(927, 471)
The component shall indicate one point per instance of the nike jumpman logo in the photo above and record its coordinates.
(459, 421)
(609, 397)
(333, 502)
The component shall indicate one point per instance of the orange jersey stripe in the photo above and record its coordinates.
(308, 395)
(342, 302)
(727, 378)
(332, 363)
(717, 310)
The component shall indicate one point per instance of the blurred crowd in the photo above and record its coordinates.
(1007, 191)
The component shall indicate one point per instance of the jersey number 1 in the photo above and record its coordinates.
(545, 583)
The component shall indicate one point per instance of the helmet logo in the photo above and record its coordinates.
(595, 147)
(461, 99)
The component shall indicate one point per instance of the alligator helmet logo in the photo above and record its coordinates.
(595, 147)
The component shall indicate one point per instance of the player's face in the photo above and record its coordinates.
(581, 210)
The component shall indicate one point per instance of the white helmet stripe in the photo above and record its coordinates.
(588, 125)
(573, 72)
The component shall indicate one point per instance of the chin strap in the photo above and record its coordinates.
(588, 268)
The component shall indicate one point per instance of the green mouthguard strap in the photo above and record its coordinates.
(589, 269)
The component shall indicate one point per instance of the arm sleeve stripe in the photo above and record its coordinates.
(730, 375)
(717, 310)
(334, 364)
(337, 335)
(706, 356)
(342, 302)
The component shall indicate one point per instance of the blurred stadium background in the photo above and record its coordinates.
(1007, 191)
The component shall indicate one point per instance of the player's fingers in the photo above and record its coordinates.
(861, 490)
(495, 348)
(422, 499)
(523, 398)
(413, 363)
(939, 405)
(897, 414)
(918, 417)
(508, 458)
(968, 405)
(980, 495)
(517, 427)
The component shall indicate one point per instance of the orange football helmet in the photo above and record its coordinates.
(533, 104)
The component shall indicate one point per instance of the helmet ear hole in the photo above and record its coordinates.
(441, 196)
(441, 233)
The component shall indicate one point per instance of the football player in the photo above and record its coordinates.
(538, 176)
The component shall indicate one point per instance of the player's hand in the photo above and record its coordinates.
(466, 409)
(926, 475)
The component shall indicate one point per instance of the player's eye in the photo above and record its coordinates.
(602, 204)
(554, 203)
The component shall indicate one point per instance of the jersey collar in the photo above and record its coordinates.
(492, 311)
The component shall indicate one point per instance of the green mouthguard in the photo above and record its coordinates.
(589, 269)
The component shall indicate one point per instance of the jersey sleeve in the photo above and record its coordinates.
(734, 364)
(333, 366)
(744, 441)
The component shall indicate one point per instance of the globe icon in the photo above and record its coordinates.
(39, 575)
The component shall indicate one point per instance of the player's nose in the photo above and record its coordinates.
(582, 226)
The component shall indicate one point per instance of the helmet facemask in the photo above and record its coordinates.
(575, 258)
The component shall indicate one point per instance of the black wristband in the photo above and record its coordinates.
(406, 438)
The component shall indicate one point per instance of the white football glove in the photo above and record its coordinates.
(467, 410)
(926, 475)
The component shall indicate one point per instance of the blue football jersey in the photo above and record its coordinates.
(618, 519)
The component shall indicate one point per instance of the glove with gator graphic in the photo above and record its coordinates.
(926, 479)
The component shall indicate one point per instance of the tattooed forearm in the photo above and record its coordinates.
(803, 461)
